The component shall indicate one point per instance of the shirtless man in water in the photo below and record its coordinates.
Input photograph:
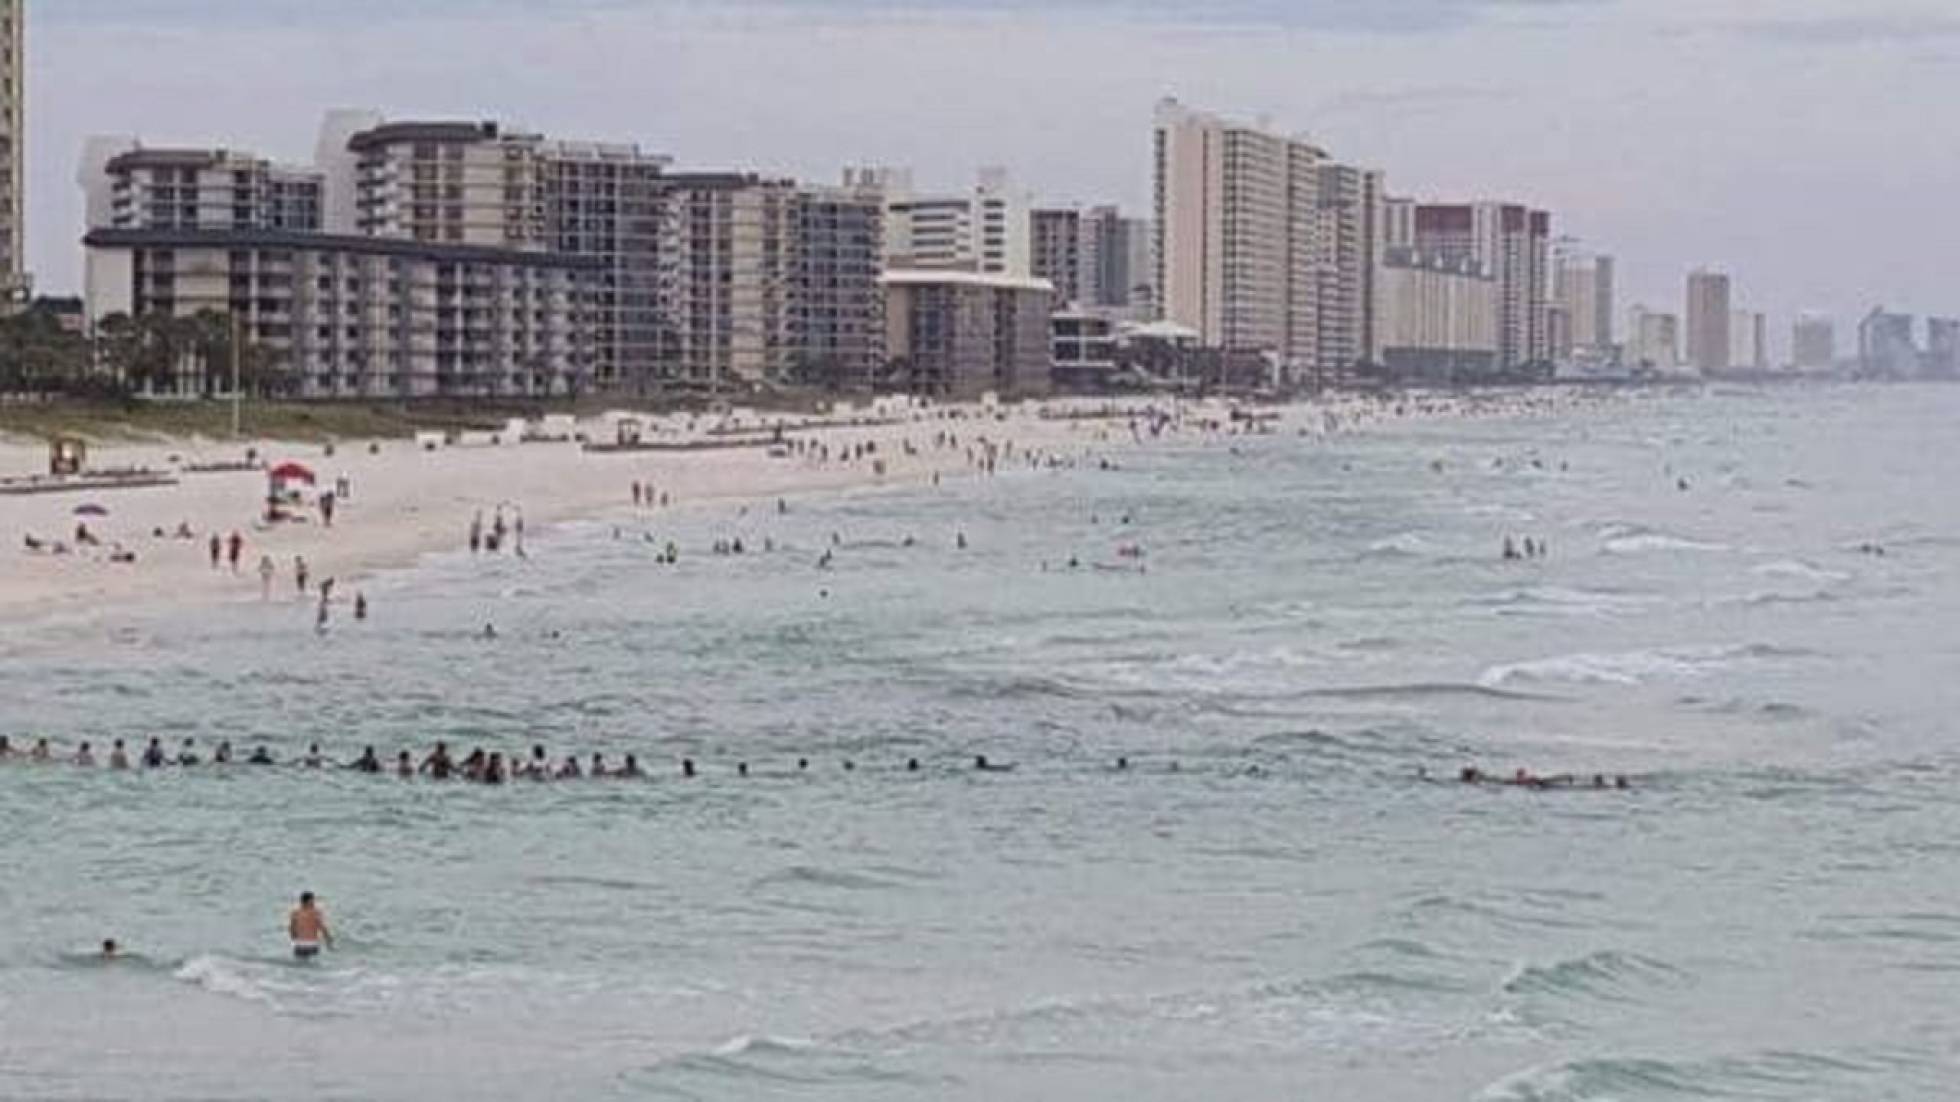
(307, 926)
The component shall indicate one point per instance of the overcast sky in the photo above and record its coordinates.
(1806, 145)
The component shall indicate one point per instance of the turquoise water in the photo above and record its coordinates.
(1268, 903)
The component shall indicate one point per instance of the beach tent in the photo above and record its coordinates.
(91, 510)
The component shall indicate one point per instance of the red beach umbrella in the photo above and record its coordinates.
(291, 472)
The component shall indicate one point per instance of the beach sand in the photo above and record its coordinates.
(406, 502)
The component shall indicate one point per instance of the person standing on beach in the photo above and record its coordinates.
(235, 549)
(266, 571)
(299, 574)
(307, 927)
(217, 548)
(476, 532)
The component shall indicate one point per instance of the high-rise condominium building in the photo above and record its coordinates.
(1886, 348)
(1438, 318)
(1585, 294)
(1510, 241)
(479, 183)
(1748, 340)
(1057, 253)
(773, 283)
(1709, 319)
(607, 202)
(1237, 225)
(1348, 299)
(986, 230)
(209, 189)
(1654, 342)
(1813, 343)
(13, 152)
(1096, 258)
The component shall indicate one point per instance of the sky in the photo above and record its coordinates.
(1802, 145)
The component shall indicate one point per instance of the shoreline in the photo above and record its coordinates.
(406, 502)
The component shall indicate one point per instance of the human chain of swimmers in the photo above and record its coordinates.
(494, 767)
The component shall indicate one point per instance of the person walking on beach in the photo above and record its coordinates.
(476, 532)
(235, 548)
(307, 927)
(217, 548)
(299, 574)
(266, 571)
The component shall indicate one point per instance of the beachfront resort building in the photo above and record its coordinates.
(1348, 298)
(773, 283)
(986, 229)
(1512, 242)
(360, 317)
(1265, 245)
(964, 334)
(1439, 318)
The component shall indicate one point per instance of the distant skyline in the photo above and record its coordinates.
(1805, 154)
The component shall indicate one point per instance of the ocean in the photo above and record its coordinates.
(1747, 608)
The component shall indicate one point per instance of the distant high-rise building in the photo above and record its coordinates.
(1885, 346)
(1350, 251)
(1708, 321)
(1092, 256)
(1813, 343)
(1513, 243)
(1748, 340)
(988, 229)
(1237, 223)
(1585, 295)
(1057, 251)
(1654, 340)
(1942, 358)
(13, 152)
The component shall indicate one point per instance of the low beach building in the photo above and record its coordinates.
(963, 334)
(333, 316)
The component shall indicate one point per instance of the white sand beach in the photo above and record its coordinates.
(406, 501)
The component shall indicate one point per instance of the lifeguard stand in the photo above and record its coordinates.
(67, 455)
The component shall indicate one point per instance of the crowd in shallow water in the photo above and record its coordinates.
(495, 767)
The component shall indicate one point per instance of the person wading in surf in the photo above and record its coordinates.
(307, 926)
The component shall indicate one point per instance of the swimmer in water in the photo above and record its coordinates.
(83, 756)
(630, 768)
(118, 756)
(307, 927)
